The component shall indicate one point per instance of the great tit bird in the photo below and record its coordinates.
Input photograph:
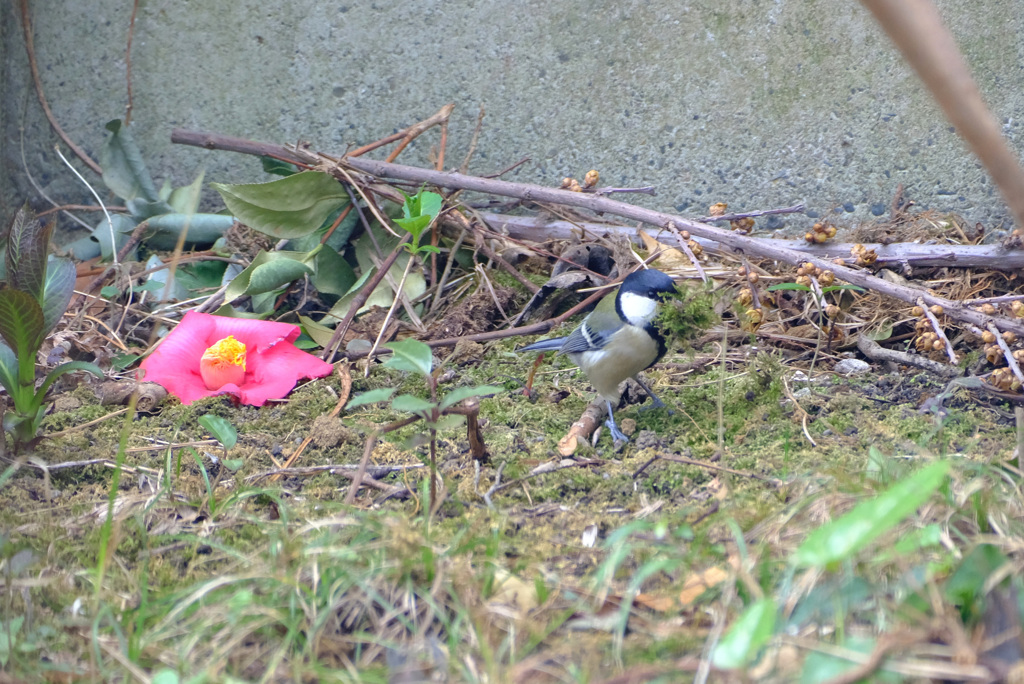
(617, 339)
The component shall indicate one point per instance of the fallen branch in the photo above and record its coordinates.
(895, 254)
(536, 193)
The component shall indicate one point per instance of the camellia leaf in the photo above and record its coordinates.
(203, 229)
(111, 241)
(462, 393)
(278, 167)
(843, 537)
(269, 271)
(27, 245)
(287, 208)
(320, 334)
(21, 324)
(222, 430)
(411, 404)
(371, 397)
(57, 291)
(411, 355)
(333, 275)
(124, 171)
(747, 636)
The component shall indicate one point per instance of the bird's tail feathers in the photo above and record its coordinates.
(554, 344)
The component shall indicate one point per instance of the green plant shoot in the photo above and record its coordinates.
(36, 294)
(419, 211)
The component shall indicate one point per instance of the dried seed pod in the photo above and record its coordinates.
(808, 267)
(1018, 354)
(755, 316)
(936, 309)
(831, 232)
(742, 270)
(988, 309)
(717, 209)
(994, 355)
(832, 311)
(1009, 337)
(838, 261)
(820, 237)
(937, 345)
(590, 180)
(803, 280)
(752, 278)
(809, 237)
(917, 311)
(745, 297)
(987, 337)
(827, 278)
(695, 247)
(567, 182)
(1017, 307)
(685, 234)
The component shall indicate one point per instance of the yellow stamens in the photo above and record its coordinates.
(223, 364)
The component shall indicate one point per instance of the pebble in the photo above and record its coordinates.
(852, 367)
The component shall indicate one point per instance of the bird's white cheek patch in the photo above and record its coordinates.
(637, 309)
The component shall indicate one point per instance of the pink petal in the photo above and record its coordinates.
(273, 365)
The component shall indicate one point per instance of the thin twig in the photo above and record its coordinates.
(689, 252)
(110, 222)
(939, 331)
(1011, 361)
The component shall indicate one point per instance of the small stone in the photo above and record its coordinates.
(852, 367)
(328, 432)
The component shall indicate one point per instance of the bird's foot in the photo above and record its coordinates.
(617, 434)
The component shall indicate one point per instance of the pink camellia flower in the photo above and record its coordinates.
(208, 355)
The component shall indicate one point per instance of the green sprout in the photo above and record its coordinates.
(419, 211)
(436, 413)
(36, 293)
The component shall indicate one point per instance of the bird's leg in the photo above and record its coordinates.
(612, 427)
(656, 402)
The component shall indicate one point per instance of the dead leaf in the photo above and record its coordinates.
(670, 257)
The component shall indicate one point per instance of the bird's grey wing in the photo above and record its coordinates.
(583, 339)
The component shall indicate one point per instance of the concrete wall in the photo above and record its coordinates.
(758, 103)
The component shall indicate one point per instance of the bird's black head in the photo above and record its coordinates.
(649, 283)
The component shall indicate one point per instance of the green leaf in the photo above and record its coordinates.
(185, 200)
(203, 229)
(411, 404)
(124, 171)
(27, 245)
(278, 167)
(747, 636)
(844, 286)
(967, 584)
(462, 393)
(371, 397)
(222, 430)
(233, 464)
(788, 286)
(320, 334)
(333, 275)
(269, 271)
(109, 291)
(843, 537)
(166, 677)
(411, 355)
(415, 224)
(63, 369)
(57, 291)
(9, 371)
(21, 325)
(123, 227)
(286, 208)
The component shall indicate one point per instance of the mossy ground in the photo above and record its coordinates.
(273, 544)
